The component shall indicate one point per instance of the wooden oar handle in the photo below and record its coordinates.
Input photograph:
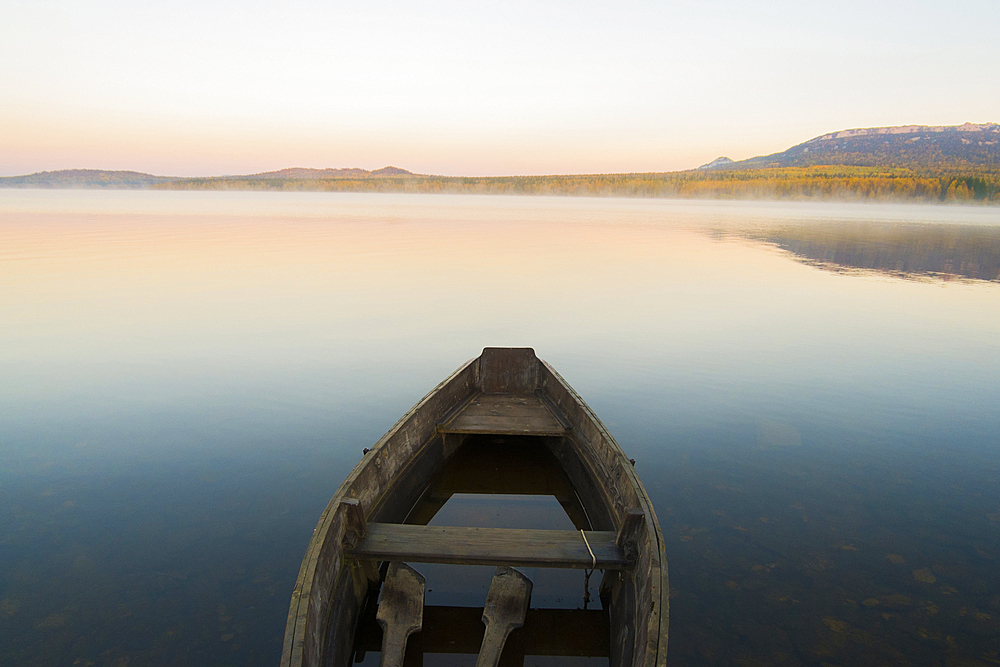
(506, 606)
(400, 611)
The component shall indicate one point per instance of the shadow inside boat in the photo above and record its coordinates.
(499, 482)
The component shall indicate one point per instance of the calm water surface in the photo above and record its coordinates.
(811, 391)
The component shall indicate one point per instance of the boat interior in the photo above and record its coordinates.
(508, 482)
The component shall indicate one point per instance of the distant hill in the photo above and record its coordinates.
(135, 180)
(352, 179)
(322, 174)
(391, 171)
(909, 146)
(718, 162)
(85, 178)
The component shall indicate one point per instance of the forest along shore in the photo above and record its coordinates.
(815, 182)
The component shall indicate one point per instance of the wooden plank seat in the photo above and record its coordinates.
(516, 547)
(505, 414)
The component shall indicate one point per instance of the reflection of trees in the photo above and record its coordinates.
(905, 250)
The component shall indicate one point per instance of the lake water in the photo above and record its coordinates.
(811, 393)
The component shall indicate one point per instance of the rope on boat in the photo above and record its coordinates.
(593, 558)
(587, 573)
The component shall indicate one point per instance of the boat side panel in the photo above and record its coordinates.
(387, 467)
(604, 472)
(346, 601)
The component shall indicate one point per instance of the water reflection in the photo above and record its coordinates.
(909, 251)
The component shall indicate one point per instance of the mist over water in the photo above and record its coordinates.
(811, 392)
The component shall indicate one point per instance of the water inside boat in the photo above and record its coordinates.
(500, 482)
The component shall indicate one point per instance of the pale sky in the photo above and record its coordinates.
(462, 88)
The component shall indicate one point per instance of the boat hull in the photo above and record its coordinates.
(504, 391)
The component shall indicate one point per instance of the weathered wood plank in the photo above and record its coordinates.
(506, 604)
(508, 370)
(502, 426)
(504, 414)
(400, 611)
(630, 532)
(520, 547)
(355, 524)
(355, 527)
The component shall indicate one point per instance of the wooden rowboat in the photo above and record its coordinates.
(376, 522)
